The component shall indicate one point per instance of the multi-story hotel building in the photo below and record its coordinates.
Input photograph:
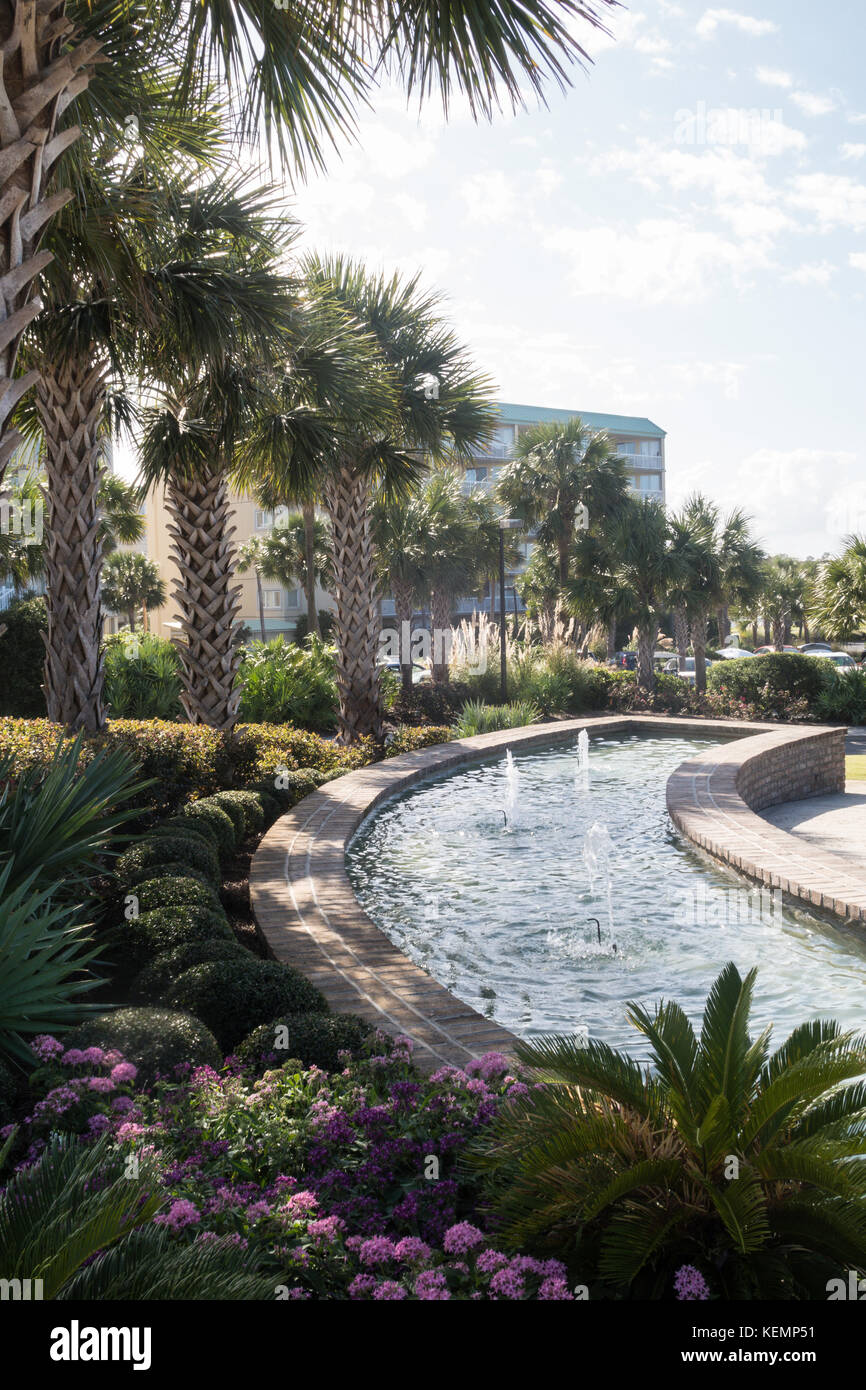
(637, 439)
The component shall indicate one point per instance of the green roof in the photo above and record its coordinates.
(544, 414)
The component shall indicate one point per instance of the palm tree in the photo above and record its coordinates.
(251, 556)
(743, 1162)
(299, 550)
(557, 470)
(131, 583)
(740, 560)
(359, 419)
(300, 71)
(632, 568)
(697, 588)
(783, 591)
(399, 531)
(840, 592)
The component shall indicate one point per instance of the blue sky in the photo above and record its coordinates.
(681, 235)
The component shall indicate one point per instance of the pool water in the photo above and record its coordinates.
(495, 879)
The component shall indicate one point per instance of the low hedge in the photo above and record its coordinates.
(210, 814)
(231, 998)
(185, 825)
(164, 849)
(754, 678)
(225, 802)
(154, 1040)
(164, 928)
(173, 868)
(315, 1039)
(251, 808)
(153, 983)
(175, 890)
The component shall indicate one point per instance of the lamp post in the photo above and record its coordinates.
(506, 523)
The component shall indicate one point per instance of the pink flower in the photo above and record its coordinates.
(100, 1083)
(123, 1072)
(389, 1291)
(431, 1286)
(45, 1047)
(376, 1251)
(460, 1238)
(73, 1058)
(410, 1251)
(181, 1213)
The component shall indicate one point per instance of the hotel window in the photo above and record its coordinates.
(650, 448)
(272, 598)
(501, 442)
(293, 598)
(263, 520)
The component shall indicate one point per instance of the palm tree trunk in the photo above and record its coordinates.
(347, 499)
(645, 648)
(778, 631)
(681, 637)
(206, 596)
(70, 399)
(767, 638)
(131, 619)
(699, 647)
(611, 639)
(309, 514)
(37, 82)
(404, 606)
(724, 624)
(755, 633)
(440, 616)
(261, 602)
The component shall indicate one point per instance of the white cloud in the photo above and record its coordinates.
(660, 260)
(812, 104)
(858, 260)
(774, 77)
(414, 210)
(490, 197)
(849, 151)
(787, 493)
(834, 200)
(710, 21)
(815, 273)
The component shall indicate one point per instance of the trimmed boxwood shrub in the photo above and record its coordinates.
(164, 928)
(234, 812)
(173, 869)
(249, 805)
(268, 798)
(314, 1039)
(165, 849)
(778, 673)
(175, 891)
(154, 1040)
(186, 825)
(215, 816)
(232, 999)
(153, 983)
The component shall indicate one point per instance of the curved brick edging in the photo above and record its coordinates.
(309, 916)
(713, 799)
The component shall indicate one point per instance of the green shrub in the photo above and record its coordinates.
(171, 869)
(164, 928)
(844, 700)
(231, 999)
(315, 1039)
(153, 983)
(22, 657)
(430, 704)
(175, 891)
(154, 1040)
(142, 677)
(476, 718)
(250, 806)
(234, 811)
(186, 825)
(164, 849)
(207, 812)
(282, 746)
(407, 739)
(271, 808)
(758, 679)
(286, 683)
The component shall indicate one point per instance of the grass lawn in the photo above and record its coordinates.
(855, 767)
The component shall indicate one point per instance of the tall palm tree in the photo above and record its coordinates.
(840, 592)
(399, 531)
(740, 560)
(298, 70)
(697, 587)
(627, 1171)
(631, 568)
(251, 556)
(380, 341)
(557, 470)
(299, 550)
(783, 593)
(131, 583)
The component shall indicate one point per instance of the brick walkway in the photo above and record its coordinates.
(309, 917)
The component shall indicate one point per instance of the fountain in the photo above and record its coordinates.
(581, 775)
(597, 851)
(512, 788)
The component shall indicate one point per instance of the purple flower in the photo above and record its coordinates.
(45, 1047)
(460, 1238)
(377, 1251)
(431, 1286)
(362, 1285)
(689, 1283)
(94, 1055)
(389, 1291)
(181, 1213)
(410, 1251)
(507, 1283)
(555, 1289)
(73, 1058)
(490, 1260)
(100, 1083)
(123, 1072)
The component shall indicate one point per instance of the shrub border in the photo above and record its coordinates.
(308, 915)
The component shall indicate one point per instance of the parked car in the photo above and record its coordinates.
(733, 653)
(815, 648)
(420, 674)
(671, 668)
(843, 661)
(625, 660)
(768, 651)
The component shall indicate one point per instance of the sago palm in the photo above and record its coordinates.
(744, 1162)
(840, 591)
